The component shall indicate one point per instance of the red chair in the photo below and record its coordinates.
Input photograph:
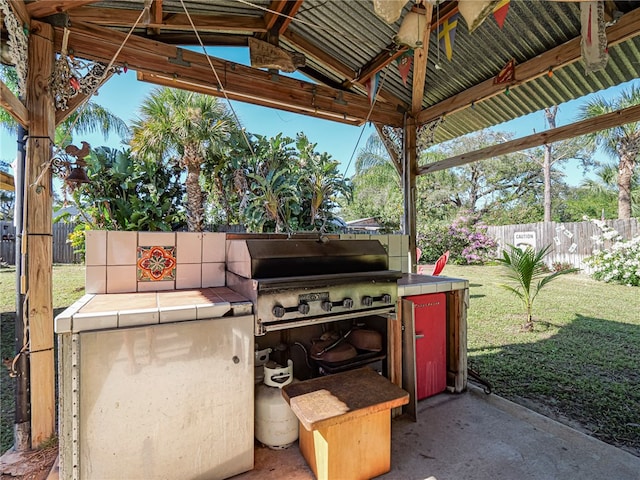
(440, 263)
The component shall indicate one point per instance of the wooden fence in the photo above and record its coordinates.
(570, 242)
(62, 251)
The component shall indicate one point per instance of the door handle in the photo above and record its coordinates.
(419, 335)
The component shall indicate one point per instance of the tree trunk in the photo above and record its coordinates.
(195, 210)
(550, 114)
(625, 175)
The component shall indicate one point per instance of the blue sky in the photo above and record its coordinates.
(123, 94)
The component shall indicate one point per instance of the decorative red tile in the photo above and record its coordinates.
(156, 264)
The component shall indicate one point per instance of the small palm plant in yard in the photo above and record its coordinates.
(528, 273)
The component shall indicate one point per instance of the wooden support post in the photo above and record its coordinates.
(409, 169)
(457, 301)
(38, 229)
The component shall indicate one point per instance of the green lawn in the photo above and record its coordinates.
(579, 366)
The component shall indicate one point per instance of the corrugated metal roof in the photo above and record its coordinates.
(352, 34)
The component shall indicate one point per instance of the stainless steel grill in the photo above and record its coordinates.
(294, 282)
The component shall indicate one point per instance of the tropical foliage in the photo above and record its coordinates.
(281, 185)
(184, 128)
(528, 274)
(126, 194)
(621, 142)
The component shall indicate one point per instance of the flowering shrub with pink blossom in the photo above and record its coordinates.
(619, 262)
(466, 239)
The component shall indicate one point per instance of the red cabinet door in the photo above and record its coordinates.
(431, 348)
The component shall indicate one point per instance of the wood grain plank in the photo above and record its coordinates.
(38, 228)
(602, 122)
(44, 8)
(420, 56)
(42, 396)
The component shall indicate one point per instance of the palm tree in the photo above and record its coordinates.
(622, 141)
(528, 272)
(321, 184)
(182, 126)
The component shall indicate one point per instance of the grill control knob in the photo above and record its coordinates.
(278, 311)
(347, 303)
(367, 301)
(386, 298)
(326, 306)
(303, 308)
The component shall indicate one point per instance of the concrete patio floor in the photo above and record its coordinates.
(473, 436)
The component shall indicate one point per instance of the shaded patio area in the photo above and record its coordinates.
(480, 437)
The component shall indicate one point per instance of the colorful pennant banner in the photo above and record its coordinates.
(447, 35)
(500, 12)
(372, 86)
(404, 62)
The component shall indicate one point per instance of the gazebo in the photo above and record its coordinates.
(422, 72)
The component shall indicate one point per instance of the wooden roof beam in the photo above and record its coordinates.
(384, 58)
(251, 85)
(156, 16)
(13, 105)
(44, 8)
(280, 15)
(420, 56)
(584, 127)
(562, 55)
(311, 50)
(110, 17)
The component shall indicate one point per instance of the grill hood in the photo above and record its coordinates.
(275, 258)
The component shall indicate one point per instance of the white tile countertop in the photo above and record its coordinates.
(121, 310)
(414, 284)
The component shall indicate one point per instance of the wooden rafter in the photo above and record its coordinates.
(420, 56)
(156, 16)
(13, 105)
(280, 15)
(44, 8)
(602, 122)
(256, 86)
(339, 68)
(562, 55)
(110, 17)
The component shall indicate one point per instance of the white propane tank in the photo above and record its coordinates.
(276, 426)
(262, 357)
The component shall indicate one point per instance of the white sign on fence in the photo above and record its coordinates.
(522, 240)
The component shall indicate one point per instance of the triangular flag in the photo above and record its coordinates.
(404, 62)
(447, 35)
(372, 87)
(507, 74)
(500, 12)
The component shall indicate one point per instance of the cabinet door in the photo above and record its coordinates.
(167, 401)
(431, 350)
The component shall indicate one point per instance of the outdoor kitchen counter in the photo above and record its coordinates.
(414, 284)
(122, 310)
